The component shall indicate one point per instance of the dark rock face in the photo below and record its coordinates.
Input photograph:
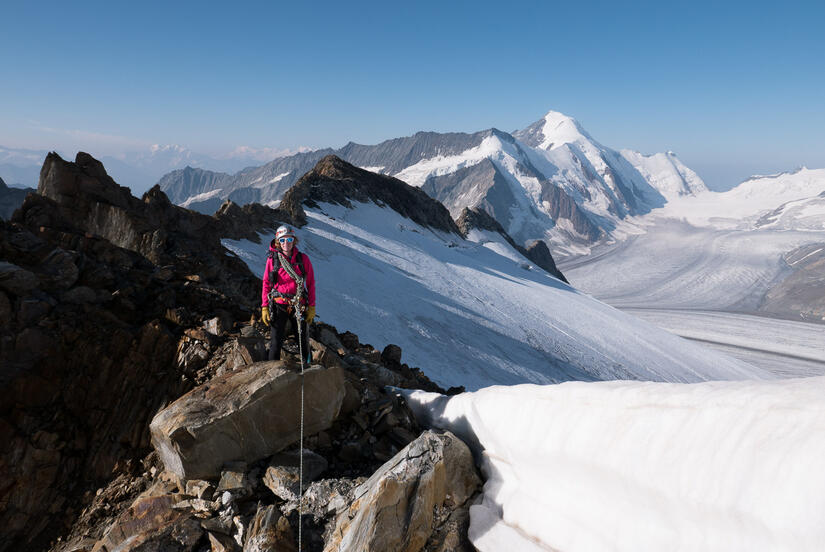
(333, 180)
(84, 369)
(11, 199)
(239, 223)
(537, 251)
(163, 233)
(483, 181)
(563, 206)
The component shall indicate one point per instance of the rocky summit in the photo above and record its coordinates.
(139, 412)
(333, 180)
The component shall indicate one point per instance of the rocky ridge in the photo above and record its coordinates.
(333, 180)
(97, 337)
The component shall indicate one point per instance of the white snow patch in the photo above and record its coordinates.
(200, 197)
(278, 178)
(373, 169)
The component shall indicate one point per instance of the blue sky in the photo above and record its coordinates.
(734, 89)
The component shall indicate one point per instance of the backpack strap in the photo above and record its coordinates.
(300, 260)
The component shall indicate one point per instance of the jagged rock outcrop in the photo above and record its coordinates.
(402, 504)
(11, 199)
(537, 251)
(333, 180)
(244, 416)
(152, 226)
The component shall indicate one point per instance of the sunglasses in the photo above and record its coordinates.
(286, 240)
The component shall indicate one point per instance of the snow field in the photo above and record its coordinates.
(643, 466)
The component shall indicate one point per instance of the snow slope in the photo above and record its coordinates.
(630, 466)
(477, 313)
(666, 173)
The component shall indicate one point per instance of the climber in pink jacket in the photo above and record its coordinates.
(279, 288)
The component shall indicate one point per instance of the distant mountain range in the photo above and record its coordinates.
(550, 181)
(139, 170)
(11, 199)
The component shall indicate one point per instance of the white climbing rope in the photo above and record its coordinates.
(298, 318)
(295, 302)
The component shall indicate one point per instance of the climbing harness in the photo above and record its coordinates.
(294, 304)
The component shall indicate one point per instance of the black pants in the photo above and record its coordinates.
(277, 332)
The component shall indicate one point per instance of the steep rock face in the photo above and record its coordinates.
(11, 199)
(480, 185)
(562, 206)
(333, 180)
(593, 168)
(802, 294)
(274, 179)
(537, 251)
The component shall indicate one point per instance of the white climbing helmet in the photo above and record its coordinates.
(284, 231)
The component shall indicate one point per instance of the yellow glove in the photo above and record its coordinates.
(265, 315)
(310, 314)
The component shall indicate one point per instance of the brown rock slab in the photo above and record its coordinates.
(244, 415)
(282, 475)
(395, 508)
(269, 531)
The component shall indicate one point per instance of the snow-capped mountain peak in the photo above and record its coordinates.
(560, 129)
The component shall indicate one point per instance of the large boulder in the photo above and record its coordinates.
(245, 416)
(404, 504)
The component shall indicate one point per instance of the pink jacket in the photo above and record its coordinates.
(283, 282)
